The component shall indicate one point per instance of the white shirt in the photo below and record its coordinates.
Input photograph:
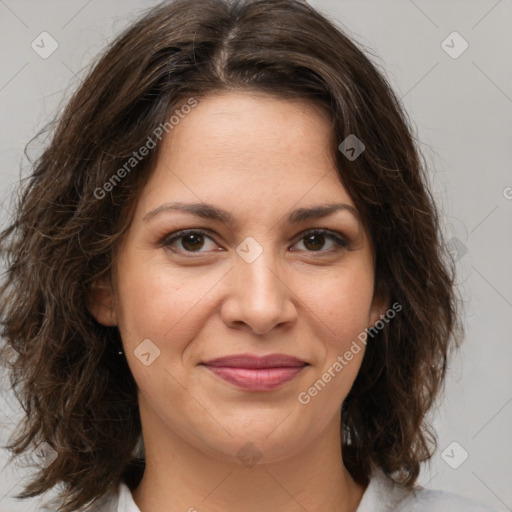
(381, 495)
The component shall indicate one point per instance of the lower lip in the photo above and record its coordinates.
(252, 379)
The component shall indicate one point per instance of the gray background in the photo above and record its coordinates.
(462, 111)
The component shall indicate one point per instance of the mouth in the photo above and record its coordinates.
(255, 373)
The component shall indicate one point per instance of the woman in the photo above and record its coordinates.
(226, 285)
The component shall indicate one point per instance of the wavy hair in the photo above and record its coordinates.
(78, 395)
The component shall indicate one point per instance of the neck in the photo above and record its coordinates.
(179, 476)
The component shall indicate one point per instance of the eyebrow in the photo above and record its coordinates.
(208, 211)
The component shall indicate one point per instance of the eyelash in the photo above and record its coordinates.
(341, 243)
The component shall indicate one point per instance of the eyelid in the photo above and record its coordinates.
(341, 241)
(171, 237)
(324, 231)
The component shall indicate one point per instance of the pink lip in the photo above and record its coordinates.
(255, 373)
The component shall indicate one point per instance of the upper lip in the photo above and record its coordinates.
(253, 361)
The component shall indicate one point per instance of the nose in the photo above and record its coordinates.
(259, 298)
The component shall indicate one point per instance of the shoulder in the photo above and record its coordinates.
(384, 495)
(126, 502)
(110, 502)
(428, 500)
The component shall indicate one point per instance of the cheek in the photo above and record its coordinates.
(159, 303)
(345, 311)
(161, 306)
(344, 304)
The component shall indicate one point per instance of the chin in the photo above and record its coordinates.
(264, 444)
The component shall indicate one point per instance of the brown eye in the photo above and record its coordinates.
(189, 241)
(315, 241)
(196, 241)
(192, 242)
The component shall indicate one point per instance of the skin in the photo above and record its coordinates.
(259, 158)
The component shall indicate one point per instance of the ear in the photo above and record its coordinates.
(101, 302)
(380, 304)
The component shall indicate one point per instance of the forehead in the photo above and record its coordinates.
(237, 146)
(247, 123)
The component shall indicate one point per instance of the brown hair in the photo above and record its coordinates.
(78, 394)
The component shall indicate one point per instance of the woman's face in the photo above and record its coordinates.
(244, 279)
